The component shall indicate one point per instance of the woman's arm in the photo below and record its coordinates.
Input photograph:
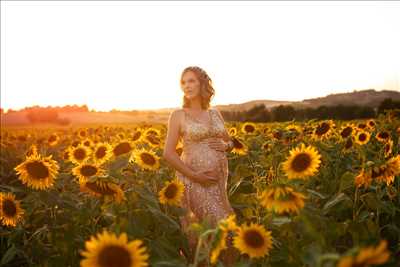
(169, 153)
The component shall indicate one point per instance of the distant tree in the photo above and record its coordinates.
(387, 104)
(365, 112)
(283, 113)
(42, 115)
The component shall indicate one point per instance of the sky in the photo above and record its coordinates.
(129, 55)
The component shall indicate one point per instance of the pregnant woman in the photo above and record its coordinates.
(203, 165)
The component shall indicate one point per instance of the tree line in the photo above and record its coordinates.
(281, 113)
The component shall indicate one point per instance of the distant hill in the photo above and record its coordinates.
(363, 97)
(369, 97)
(248, 105)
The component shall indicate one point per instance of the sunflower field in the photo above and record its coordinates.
(313, 193)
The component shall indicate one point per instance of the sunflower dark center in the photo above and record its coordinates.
(153, 139)
(114, 256)
(9, 208)
(323, 128)
(171, 191)
(253, 239)
(148, 158)
(86, 143)
(349, 143)
(52, 138)
(277, 135)
(179, 151)
(79, 154)
(237, 143)
(362, 126)
(122, 148)
(88, 170)
(346, 132)
(377, 173)
(383, 135)
(301, 162)
(101, 152)
(249, 128)
(362, 137)
(75, 143)
(104, 190)
(37, 170)
(136, 136)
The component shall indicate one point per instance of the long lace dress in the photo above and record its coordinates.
(211, 201)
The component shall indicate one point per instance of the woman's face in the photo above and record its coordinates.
(190, 85)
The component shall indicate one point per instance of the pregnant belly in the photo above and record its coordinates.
(201, 157)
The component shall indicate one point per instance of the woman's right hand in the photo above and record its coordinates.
(205, 177)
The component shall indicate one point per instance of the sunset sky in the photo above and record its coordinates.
(129, 55)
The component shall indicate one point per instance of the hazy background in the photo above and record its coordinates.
(129, 55)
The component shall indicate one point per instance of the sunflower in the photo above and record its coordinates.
(136, 137)
(75, 143)
(371, 124)
(393, 166)
(346, 131)
(121, 136)
(223, 239)
(382, 174)
(323, 129)
(382, 136)
(78, 154)
(148, 160)
(362, 137)
(367, 256)
(277, 134)
(249, 128)
(10, 211)
(102, 152)
(152, 131)
(348, 145)
(171, 193)
(179, 148)
(294, 128)
(253, 240)
(87, 142)
(105, 189)
(32, 150)
(232, 131)
(387, 149)
(265, 130)
(82, 133)
(123, 147)
(37, 171)
(363, 179)
(219, 244)
(109, 250)
(302, 162)
(86, 170)
(53, 140)
(227, 228)
(282, 199)
(362, 126)
(153, 140)
(239, 147)
(266, 146)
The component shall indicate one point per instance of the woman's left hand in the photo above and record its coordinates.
(217, 144)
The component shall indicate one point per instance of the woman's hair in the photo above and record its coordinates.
(206, 89)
